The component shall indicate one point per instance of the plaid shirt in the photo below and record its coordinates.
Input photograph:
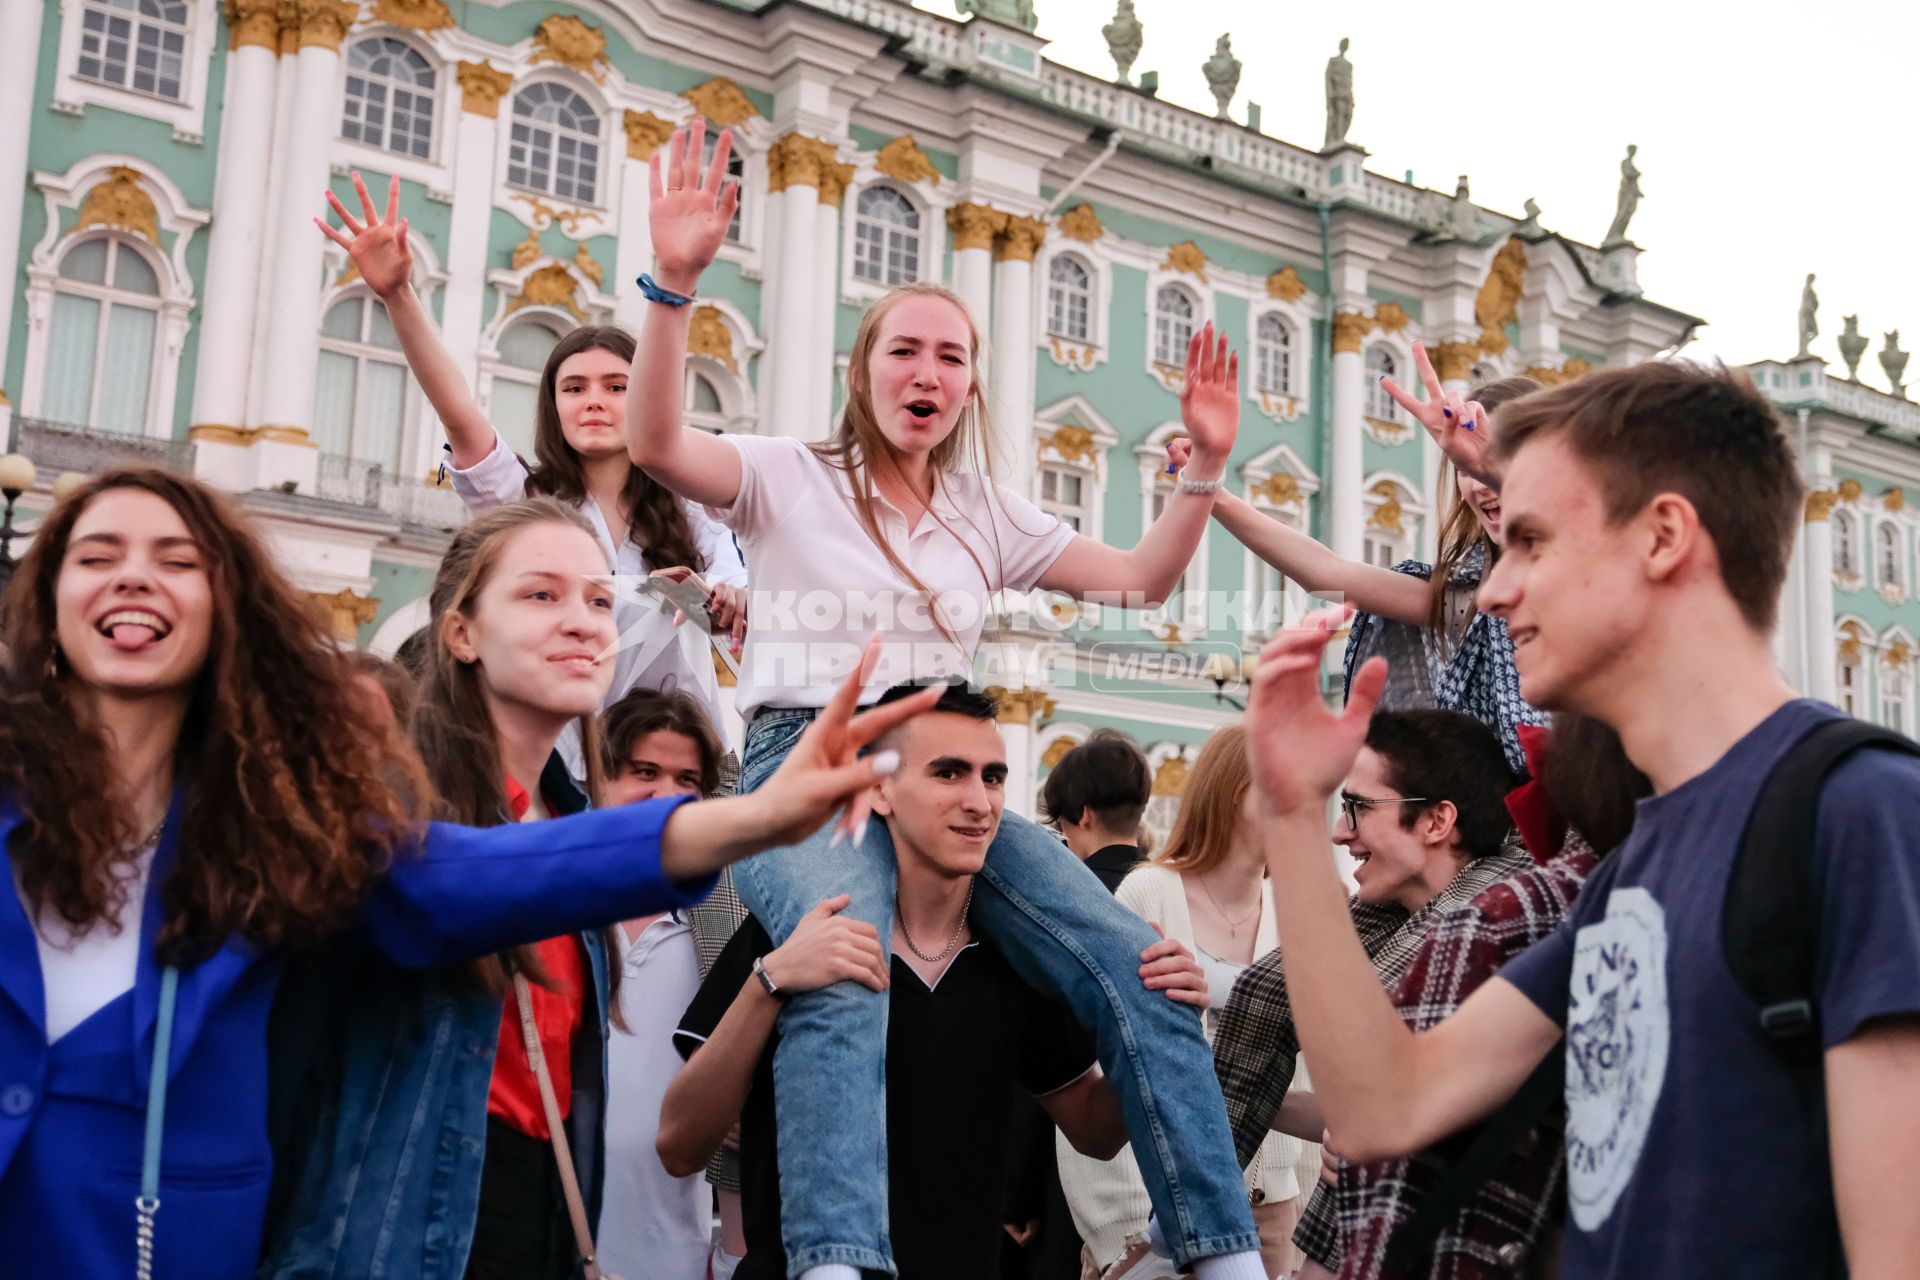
(1347, 1230)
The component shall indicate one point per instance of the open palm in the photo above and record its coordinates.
(377, 245)
(1210, 396)
(1300, 749)
(690, 211)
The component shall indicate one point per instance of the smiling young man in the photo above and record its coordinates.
(964, 1034)
(1649, 514)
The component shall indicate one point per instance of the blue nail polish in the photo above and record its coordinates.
(1170, 470)
(1447, 412)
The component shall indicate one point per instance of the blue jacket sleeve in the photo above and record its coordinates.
(463, 892)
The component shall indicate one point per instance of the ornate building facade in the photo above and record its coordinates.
(171, 301)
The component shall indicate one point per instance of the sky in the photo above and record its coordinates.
(1775, 139)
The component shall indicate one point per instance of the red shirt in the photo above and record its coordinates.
(514, 1095)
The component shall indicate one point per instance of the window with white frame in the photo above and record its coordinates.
(554, 143)
(361, 389)
(390, 96)
(1846, 544)
(886, 238)
(102, 338)
(514, 401)
(135, 44)
(1850, 685)
(1067, 492)
(705, 407)
(1887, 565)
(1893, 697)
(1069, 299)
(1392, 526)
(737, 170)
(1273, 356)
(1380, 405)
(1173, 325)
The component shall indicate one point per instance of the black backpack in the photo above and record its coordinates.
(1771, 942)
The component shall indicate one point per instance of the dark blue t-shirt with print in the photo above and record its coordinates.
(1689, 1149)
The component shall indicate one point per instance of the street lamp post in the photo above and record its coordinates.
(1223, 671)
(16, 477)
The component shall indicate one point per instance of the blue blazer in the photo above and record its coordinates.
(72, 1113)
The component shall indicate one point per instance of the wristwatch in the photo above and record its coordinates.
(760, 972)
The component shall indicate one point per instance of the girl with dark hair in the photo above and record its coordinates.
(190, 794)
(897, 514)
(579, 447)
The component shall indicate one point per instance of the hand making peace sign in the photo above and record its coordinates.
(1458, 427)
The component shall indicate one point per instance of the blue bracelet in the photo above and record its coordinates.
(654, 292)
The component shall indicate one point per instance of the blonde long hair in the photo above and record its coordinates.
(1210, 807)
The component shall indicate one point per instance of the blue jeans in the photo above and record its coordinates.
(1066, 936)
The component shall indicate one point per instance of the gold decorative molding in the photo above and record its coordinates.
(709, 336)
(348, 274)
(1897, 654)
(1453, 361)
(1081, 223)
(1286, 285)
(118, 200)
(1186, 257)
(1350, 329)
(527, 252)
(1280, 489)
(974, 226)
(1545, 374)
(1168, 632)
(344, 611)
(550, 286)
(1081, 357)
(646, 133)
(253, 23)
(1850, 490)
(1820, 504)
(798, 160)
(835, 178)
(319, 24)
(288, 19)
(1499, 300)
(544, 215)
(1021, 706)
(1575, 368)
(1073, 444)
(482, 85)
(1894, 499)
(1056, 752)
(1852, 639)
(903, 161)
(414, 15)
(564, 39)
(247, 437)
(722, 101)
(588, 266)
(218, 433)
(1391, 317)
(1170, 779)
(1389, 514)
(1019, 240)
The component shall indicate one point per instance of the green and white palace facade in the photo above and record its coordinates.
(170, 300)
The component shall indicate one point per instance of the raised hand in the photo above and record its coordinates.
(378, 243)
(1458, 427)
(1210, 397)
(1299, 749)
(691, 211)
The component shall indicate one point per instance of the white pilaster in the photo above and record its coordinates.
(273, 234)
(19, 54)
(1013, 351)
(787, 392)
(634, 253)
(1345, 426)
(462, 311)
(826, 302)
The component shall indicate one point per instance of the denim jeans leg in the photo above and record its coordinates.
(830, 1066)
(1067, 937)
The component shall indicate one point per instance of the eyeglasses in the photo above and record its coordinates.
(1353, 806)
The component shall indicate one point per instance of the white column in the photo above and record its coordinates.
(1346, 413)
(273, 234)
(1012, 371)
(826, 299)
(974, 227)
(229, 305)
(786, 391)
(19, 56)
(646, 132)
(1816, 571)
(463, 310)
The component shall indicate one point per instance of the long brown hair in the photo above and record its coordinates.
(656, 522)
(294, 805)
(1590, 780)
(1210, 806)
(1460, 529)
(451, 724)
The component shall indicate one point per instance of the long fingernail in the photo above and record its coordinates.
(860, 832)
(885, 763)
(839, 834)
(1447, 412)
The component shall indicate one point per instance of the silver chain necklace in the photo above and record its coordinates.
(952, 942)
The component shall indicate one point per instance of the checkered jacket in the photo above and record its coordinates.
(1347, 1229)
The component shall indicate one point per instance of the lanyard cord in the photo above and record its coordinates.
(147, 1204)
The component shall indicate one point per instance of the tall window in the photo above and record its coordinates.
(1273, 356)
(360, 392)
(886, 238)
(1886, 555)
(704, 407)
(737, 170)
(1380, 405)
(101, 338)
(1172, 325)
(1069, 300)
(515, 398)
(390, 97)
(1893, 698)
(1850, 685)
(1067, 492)
(135, 44)
(1846, 544)
(554, 145)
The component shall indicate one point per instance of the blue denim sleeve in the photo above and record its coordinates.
(463, 892)
(1869, 869)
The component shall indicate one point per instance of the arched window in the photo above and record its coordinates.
(1069, 300)
(1887, 559)
(1846, 545)
(515, 398)
(389, 98)
(101, 338)
(737, 170)
(135, 44)
(1893, 697)
(554, 144)
(360, 393)
(1172, 325)
(886, 238)
(1273, 356)
(1380, 405)
(705, 407)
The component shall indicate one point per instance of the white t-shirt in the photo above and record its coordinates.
(821, 586)
(84, 975)
(653, 653)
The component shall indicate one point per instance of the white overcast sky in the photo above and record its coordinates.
(1775, 138)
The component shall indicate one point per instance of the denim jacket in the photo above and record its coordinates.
(378, 1108)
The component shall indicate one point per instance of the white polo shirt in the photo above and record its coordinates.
(821, 586)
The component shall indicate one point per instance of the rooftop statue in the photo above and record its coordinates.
(1124, 36)
(1809, 326)
(1339, 97)
(1223, 74)
(1629, 201)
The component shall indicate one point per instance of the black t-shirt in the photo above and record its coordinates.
(957, 1057)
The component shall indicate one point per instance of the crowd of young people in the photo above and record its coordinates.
(317, 966)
